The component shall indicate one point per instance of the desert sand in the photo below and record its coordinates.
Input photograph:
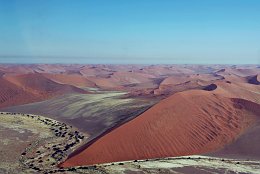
(191, 122)
(162, 110)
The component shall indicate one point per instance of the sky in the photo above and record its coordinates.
(130, 31)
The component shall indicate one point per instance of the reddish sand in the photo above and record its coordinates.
(209, 109)
(246, 146)
(242, 72)
(137, 79)
(104, 82)
(175, 80)
(37, 84)
(93, 71)
(190, 122)
(27, 88)
(11, 95)
(131, 77)
(119, 80)
(70, 79)
(168, 70)
(239, 90)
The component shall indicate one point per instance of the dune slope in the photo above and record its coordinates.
(12, 95)
(70, 79)
(186, 123)
(37, 84)
(27, 88)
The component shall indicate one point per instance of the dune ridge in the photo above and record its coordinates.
(27, 88)
(40, 85)
(190, 122)
(12, 95)
(70, 79)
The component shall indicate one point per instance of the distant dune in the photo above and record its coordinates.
(70, 79)
(39, 85)
(242, 72)
(27, 88)
(11, 95)
(239, 90)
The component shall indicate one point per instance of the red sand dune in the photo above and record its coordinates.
(70, 79)
(53, 68)
(246, 146)
(11, 95)
(119, 80)
(238, 90)
(234, 78)
(95, 70)
(242, 72)
(131, 77)
(27, 88)
(175, 80)
(190, 122)
(37, 84)
(166, 70)
(180, 79)
(104, 82)
(17, 69)
(178, 83)
(167, 90)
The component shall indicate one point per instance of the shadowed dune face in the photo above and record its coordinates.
(247, 144)
(191, 122)
(254, 80)
(210, 87)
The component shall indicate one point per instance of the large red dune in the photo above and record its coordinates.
(27, 88)
(37, 84)
(190, 122)
(11, 95)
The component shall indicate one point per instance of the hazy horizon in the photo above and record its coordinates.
(130, 32)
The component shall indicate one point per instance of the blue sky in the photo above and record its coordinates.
(130, 31)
